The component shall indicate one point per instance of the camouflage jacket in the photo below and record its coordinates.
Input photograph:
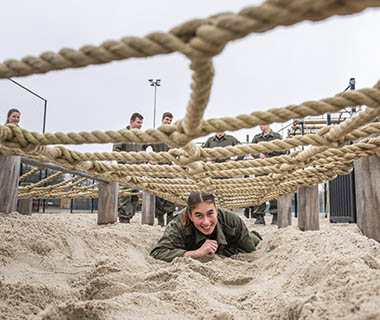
(128, 147)
(269, 137)
(225, 141)
(231, 235)
(160, 147)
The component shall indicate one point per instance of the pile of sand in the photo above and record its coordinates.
(62, 266)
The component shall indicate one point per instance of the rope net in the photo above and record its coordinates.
(327, 154)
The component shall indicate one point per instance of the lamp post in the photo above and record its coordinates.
(155, 83)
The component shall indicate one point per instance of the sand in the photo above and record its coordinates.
(62, 266)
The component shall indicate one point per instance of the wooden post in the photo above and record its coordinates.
(284, 218)
(308, 204)
(107, 205)
(148, 208)
(25, 206)
(367, 179)
(9, 175)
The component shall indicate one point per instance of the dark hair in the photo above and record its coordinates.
(136, 115)
(10, 113)
(167, 115)
(194, 199)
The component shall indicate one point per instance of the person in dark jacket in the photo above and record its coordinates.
(222, 140)
(163, 206)
(201, 229)
(266, 135)
(128, 204)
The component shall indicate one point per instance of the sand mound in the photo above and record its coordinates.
(61, 267)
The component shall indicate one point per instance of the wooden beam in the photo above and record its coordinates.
(107, 204)
(148, 208)
(24, 206)
(367, 179)
(9, 176)
(284, 218)
(308, 208)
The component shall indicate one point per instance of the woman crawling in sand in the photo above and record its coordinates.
(201, 229)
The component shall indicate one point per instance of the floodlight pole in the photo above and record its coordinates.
(154, 83)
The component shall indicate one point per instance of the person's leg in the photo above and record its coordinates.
(169, 208)
(159, 213)
(253, 214)
(273, 210)
(134, 202)
(260, 213)
(125, 209)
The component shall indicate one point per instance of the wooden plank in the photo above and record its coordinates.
(24, 206)
(308, 208)
(367, 179)
(107, 204)
(284, 216)
(148, 208)
(9, 176)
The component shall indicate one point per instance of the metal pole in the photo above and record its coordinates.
(154, 83)
(154, 111)
(39, 200)
(71, 203)
(44, 121)
(38, 96)
(92, 200)
(352, 174)
(57, 168)
(44, 200)
(328, 119)
(352, 87)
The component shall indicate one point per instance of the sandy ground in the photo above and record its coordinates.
(62, 266)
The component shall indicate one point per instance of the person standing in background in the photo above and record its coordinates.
(266, 135)
(221, 140)
(163, 206)
(128, 204)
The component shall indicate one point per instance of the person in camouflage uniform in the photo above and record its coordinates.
(128, 204)
(163, 206)
(201, 230)
(221, 140)
(266, 135)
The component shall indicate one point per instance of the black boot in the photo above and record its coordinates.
(260, 220)
(246, 213)
(274, 219)
(124, 220)
(161, 220)
(169, 217)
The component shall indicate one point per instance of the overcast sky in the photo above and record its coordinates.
(288, 65)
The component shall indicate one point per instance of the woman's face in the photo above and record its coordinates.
(14, 118)
(204, 216)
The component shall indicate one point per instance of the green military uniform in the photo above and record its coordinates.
(260, 209)
(162, 205)
(127, 204)
(230, 233)
(222, 142)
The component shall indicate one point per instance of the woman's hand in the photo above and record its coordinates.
(209, 247)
